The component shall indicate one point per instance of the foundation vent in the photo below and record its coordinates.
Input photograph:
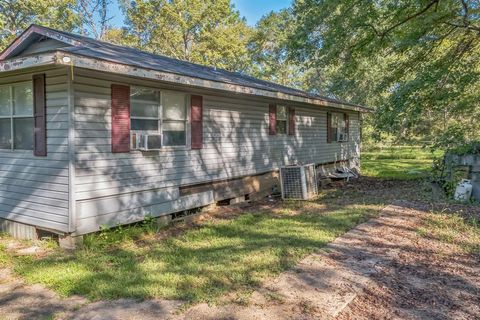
(298, 182)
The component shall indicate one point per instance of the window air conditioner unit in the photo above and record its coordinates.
(342, 137)
(146, 141)
(298, 182)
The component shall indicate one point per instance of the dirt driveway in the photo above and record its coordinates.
(382, 269)
(413, 276)
(385, 268)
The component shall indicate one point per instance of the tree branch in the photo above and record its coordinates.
(413, 16)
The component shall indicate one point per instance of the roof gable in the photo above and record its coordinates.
(34, 34)
(38, 44)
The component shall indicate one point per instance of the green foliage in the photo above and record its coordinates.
(467, 148)
(269, 50)
(119, 36)
(108, 236)
(16, 16)
(447, 176)
(4, 259)
(416, 62)
(208, 32)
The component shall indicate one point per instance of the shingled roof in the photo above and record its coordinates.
(88, 47)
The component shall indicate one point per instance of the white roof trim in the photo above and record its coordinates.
(28, 62)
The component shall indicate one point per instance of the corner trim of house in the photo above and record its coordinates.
(72, 216)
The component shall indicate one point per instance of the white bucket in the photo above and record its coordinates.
(463, 192)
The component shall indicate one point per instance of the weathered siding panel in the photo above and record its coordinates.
(41, 46)
(236, 143)
(34, 190)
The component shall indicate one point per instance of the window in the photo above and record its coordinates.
(174, 116)
(16, 117)
(281, 119)
(165, 112)
(339, 130)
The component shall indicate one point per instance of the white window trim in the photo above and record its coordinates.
(13, 116)
(187, 145)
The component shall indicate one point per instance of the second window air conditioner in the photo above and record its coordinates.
(342, 135)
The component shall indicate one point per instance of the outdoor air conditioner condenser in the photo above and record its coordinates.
(299, 182)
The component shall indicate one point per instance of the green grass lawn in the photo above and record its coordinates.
(201, 265)
(397, 162)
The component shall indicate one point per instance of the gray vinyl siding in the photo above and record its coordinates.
(34, 190)
(110, 188)
(41, 46)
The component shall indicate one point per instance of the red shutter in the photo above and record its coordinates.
(120, 118)
(272, 119)
(39, 115)
(291, 121)
(196, 113)
(347, 126)
(329, 127)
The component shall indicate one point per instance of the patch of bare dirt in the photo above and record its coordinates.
(415, 277)
(419, 194)
(21, 301)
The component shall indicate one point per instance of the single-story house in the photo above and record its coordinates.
(95, 134)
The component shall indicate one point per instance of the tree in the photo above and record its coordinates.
(119, 36)
(208, 32)
(94, 17)
(269, 51)
(416, 61)
(16, 16)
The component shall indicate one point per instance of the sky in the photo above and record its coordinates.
(252, 10)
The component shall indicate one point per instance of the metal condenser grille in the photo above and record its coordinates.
(298, 182)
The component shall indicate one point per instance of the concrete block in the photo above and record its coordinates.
(194, 218)
(69, 242)
(163, 221)
(237, 200)
(256, 196)
(323, 183)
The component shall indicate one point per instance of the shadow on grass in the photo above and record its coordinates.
(200, 265)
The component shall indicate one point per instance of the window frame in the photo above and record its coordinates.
(334, 128)
(12, 116)
(277, 120)
(159, 119)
